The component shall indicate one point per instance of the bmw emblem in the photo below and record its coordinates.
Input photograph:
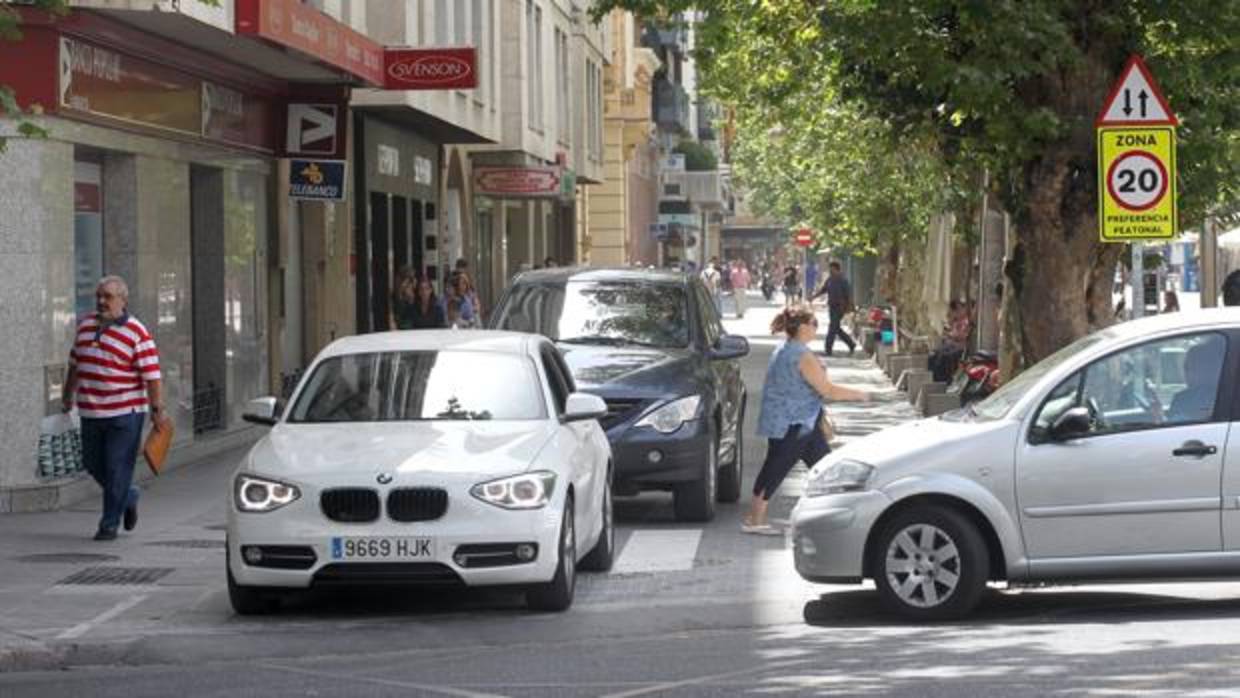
(383, 478)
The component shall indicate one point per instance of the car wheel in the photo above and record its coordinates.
(931, 563)
(248, 601)
(695, 501)
(732, 474)
(557, 595)
(603, 554)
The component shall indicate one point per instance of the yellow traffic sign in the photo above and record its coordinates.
(1136, 184)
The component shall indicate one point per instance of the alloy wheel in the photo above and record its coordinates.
(923, 565)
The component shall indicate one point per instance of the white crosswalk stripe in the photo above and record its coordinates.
(658, 550)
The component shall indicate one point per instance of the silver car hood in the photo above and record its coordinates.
(452, 450)
(925, 443)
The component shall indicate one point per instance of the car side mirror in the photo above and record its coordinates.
(582, 406)
(261, 410)
(1072, 424)
(730, 346)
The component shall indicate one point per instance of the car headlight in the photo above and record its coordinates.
(526, 491)
(669, 417)
(258, 494)
(841, 476)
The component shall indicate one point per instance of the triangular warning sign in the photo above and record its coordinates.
(1135, 100)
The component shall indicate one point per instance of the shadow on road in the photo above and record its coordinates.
(862, 608)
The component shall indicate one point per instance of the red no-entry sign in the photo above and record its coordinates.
(803, 237)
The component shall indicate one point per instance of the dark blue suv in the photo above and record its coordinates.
(650, 343)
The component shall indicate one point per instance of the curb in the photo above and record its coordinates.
(38, 656)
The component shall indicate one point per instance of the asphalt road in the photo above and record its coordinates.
(691, 610)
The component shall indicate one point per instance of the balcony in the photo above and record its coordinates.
(671, 107)
(674, 38)
(707, 115)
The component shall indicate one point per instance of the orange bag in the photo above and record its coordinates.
(158, 441)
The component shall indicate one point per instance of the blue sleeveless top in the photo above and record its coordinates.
(787, 398)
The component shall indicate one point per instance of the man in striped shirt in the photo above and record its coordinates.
(114, 374)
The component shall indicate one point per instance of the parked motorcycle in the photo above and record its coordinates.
(976, 378)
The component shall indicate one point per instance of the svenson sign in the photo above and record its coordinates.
(430, 69)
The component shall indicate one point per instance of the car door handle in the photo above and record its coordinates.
(1196, 449)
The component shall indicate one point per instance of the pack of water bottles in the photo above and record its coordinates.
(60, 446)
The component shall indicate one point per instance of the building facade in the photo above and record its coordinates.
(623, 208)
(179, 138)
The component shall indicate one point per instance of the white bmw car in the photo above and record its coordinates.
(424, 457)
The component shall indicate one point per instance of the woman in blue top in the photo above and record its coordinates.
(792, 394)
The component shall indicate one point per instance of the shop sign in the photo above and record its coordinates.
(388, 161)
(313, 129)
(568, 185)
(423, 171)
(230, 116)
(517, 181)
(430, 68)
(299, 26)
(100, 81)
(687, 220)
(317, 180)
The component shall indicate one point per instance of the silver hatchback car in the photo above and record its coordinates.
(1106, 461)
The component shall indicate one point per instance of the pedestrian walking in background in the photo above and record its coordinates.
(839, 303)
(461, 303)
(425, 312)
(713, 278)
(114, 377)
(740, 287)
(811, 274)
(1171, 302)
(400, 317)
(792, 285)
(792, 410)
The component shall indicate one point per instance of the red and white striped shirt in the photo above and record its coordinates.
(112, 370)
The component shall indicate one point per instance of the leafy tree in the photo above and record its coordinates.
(1009, 85)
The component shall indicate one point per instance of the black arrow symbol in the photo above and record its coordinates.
(1143, 97)
(1127, 102)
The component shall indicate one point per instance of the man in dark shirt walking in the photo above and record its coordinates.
(839, 301)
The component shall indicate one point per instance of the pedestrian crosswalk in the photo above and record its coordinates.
(659, 550)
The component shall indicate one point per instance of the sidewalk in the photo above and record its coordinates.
(57, 586)
(852, 419)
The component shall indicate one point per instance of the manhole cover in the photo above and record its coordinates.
(67, 558)
(117, 575)
(203, 543)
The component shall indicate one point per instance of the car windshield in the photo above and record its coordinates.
(422, 386)
(608, 313)
(1005, 398)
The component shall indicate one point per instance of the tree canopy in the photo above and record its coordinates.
(883, 110)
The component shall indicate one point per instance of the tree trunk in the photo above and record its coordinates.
(1098, 293)
(1061, 251)
(889, 273)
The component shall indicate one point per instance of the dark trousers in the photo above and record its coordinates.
(109, 449)
(835, 330)
(798, 444)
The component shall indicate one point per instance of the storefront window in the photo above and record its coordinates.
(87, 232)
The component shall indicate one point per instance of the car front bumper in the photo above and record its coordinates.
(646, 457)
(829, 534)
(468, 522)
